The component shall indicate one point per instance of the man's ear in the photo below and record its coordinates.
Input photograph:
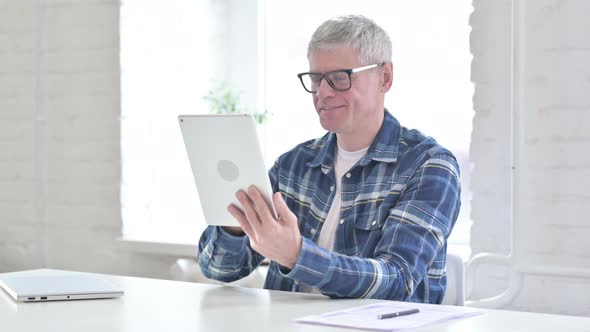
(386, 76)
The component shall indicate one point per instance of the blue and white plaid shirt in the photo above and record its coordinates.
(399, 205)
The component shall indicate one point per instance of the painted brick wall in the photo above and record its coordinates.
(553, 109)
(20, 232)
(60, 163)
(490, 139)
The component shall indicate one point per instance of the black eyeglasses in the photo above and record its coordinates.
(339, 80)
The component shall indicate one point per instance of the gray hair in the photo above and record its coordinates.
(359, 32)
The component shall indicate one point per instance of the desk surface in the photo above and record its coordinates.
(160, 305)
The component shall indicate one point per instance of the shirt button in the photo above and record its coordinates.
(312, 231)
(374, 222)
(348, 175)
(331, 188)
(341, 221)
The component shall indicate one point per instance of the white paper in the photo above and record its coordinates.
(365, 317)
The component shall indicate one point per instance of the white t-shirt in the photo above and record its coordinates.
(344, 161)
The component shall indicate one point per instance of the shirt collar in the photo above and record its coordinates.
(325, 156)
(384, 148)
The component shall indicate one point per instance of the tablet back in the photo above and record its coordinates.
(225, 156)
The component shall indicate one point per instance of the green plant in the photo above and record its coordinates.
(223, 99)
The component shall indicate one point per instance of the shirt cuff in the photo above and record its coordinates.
(312, 265)
(233, 244)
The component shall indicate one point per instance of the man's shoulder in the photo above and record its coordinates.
(305, 151)
(414, 143)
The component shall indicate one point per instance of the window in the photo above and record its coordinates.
(431, 91)
(165, 76)
(172, 52)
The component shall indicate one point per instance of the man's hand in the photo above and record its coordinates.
(277, 240)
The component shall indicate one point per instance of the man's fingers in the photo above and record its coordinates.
(285, 215)
(260, 204)
(242, 220)
(249, 211)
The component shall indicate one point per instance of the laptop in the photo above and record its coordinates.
(225, 156)
(51, 285)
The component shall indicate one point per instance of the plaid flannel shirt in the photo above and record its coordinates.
(399, 205)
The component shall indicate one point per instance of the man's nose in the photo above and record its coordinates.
(324, 89)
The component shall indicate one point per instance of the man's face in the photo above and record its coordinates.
(346, 112)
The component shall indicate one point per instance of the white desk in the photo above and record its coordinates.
(159, 305)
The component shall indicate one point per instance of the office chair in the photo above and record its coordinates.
(455, 294)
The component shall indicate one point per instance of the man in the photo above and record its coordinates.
(364, 211)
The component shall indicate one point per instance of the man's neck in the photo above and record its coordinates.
(362, 137)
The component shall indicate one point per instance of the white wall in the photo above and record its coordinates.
(63, 171)
(60, 139)
(551, 83)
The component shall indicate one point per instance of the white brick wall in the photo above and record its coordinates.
(554, 174)
(490, 45)
(79, 158)
(18, 235)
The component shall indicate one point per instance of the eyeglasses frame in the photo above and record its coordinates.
(330, 83)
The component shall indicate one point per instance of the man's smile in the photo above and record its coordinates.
(330, 108)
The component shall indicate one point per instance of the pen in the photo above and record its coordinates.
(399, 313)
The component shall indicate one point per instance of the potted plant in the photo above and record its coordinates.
(223, 99)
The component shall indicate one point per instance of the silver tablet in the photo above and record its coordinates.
(225, 156)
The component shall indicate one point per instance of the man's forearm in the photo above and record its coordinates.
(224, 257)
(343, 276)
